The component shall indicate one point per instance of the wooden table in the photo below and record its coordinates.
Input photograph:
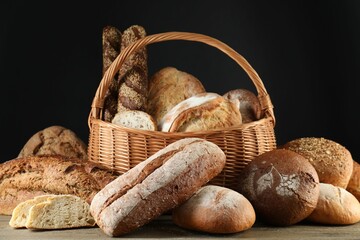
(163, 228)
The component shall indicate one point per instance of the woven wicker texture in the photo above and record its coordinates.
(121, 148)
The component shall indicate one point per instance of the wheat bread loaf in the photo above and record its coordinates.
(354, 183)
(156, 185)
(215, 209)
(135, 119)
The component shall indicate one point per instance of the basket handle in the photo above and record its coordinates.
(98, 101)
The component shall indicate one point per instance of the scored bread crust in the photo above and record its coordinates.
(204, 111)
(25, 178)
(156, 185)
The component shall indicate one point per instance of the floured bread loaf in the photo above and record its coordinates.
(135, 119)
(204, 111)
(53, 212)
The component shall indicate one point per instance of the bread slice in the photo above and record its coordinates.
(20, 212)
(58, 212)
(135, 119)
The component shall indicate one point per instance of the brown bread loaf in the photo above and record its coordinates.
(168, 87)
(215, 209)
(156, 185)
(332, 161)
(335, 206)
(354, 183)
(111, 43)
(24, 178)
(55, 140)
(133, 87)
(282, 186)
(204, 111)
(250, 108)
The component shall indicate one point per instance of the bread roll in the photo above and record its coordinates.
(249, 107)
(168, 87)
(156, 185)
(55, 140)
(335, 206)
(24, 178)
(135, 119)
(332, 161)
(282, 186)
(354, 183)
(204, 111)
(215, 209)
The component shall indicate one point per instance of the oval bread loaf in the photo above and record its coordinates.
(215, 209)
(156, 185)
(335, 206)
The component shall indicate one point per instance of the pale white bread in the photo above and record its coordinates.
(204, 111)
(21, 211)
(60, 212)
(135, 119)
(215, 209)
(336, 206)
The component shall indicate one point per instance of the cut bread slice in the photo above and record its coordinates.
(52, 212)
(135, 119)
(20, 212)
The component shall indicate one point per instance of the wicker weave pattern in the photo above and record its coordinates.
(121, 148)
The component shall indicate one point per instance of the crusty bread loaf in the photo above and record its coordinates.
(168, 87)
(249, 107)
(133, 73)
(55, 140)
(332, 161)
(335, 206)
(21, 211)
(282, 186)
(111, 43)
(204, 111)
(156, 185)
(24, 178)
(354, 183)
(135, 119)
(215, 209)
(59, 212)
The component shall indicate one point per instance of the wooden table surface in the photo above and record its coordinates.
(163, 228)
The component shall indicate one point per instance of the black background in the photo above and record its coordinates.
(306, 53)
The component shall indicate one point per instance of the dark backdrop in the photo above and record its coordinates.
(306, 52)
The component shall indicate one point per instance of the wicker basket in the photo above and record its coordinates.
(120, 148)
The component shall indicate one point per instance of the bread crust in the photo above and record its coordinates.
(204, 111)
(215, 209)
(332, 161)
(335, 206)
(169, 86)
(24, 178)
(354, 183)
(156, 185)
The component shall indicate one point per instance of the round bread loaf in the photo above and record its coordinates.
(168, 87)
(335, 206)
(55, 140)
(215, 209)
(354, 183)
(249, 107)
(332, 161)
(282, 186)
